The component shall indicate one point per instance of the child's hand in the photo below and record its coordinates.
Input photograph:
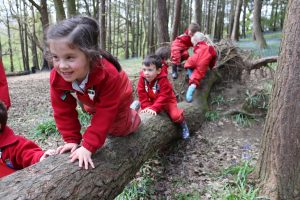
(48, 153)
(83, 156)
(67, 147)
(149, 111)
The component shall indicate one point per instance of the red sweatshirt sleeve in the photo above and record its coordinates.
(143, 96)
(165, 89)
(65, 114)
(4, 94)
(107, 106)
(24, 153)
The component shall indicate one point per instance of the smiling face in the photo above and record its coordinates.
(150, 72)
(71, 63)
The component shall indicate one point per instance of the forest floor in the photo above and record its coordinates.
(191, 169)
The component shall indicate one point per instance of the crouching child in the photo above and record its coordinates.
(16, 152)
(156, 93)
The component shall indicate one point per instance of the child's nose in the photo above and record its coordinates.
(63, 64)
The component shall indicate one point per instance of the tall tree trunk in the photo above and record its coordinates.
(257, 29)
(162, 21)
(207, 28)
(43, 10)
(176, 21)
(26, 67)
(143, 42)
(244, 18)
(219, 33)
(118, 29)
(109, 21)
(12, 68)
(274, 18)
(236, 23)
(35, 61)
(60, 11)
(278, 166)
(102, 26)
(151, 43)
(198, 12)
(127, 31)
(71, 8)
(138, 31)
(21, 33)
(215, 25)
(231, 17)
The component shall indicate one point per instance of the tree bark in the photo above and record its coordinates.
(198, 12)
(176, 21)
(162, 21)
(257, 30)
(60, 11)
(278, 166)
(71, 8)
(103, 26)
(116, 163)
(236, 23)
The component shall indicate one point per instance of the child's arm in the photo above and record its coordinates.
(24, 153)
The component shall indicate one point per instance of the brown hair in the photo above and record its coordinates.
(3, 116)
(194, 27)
(163, 52)
(83, 33)
(154, 60)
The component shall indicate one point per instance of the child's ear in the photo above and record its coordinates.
(159, 70)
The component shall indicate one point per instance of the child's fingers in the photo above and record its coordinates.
(91, 163)
(73, 148)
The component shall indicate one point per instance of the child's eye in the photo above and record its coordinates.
(70, 58)
(55, 58)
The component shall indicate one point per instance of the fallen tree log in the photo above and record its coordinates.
(116, 163)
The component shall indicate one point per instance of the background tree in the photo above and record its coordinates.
(278, 166)
(60, 11)
(162, 21)
(176, 21)
(257, 29)
(236, 22)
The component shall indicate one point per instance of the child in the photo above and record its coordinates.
(94, 77)
(180, 46)
(4, 95)
(204, 57)
(156, 94)
(16, 152)
(164, 54)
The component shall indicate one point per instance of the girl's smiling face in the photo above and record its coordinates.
(150, 72)
(71, 63)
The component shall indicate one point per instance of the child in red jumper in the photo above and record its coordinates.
(204, 57)
(156, 93)
(83, 72)
(180, 46)
(4, 95)
(16, 152)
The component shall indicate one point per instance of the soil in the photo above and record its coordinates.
(190, 167)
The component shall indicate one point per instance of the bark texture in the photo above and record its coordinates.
(279, 165)
(116, 163)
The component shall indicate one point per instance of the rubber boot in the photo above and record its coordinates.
(185, 130)
(190, 92)
(174, 72)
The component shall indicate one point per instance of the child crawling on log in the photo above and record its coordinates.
(85, 73)
(156, 93)
(204, 57)
(16, 152)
